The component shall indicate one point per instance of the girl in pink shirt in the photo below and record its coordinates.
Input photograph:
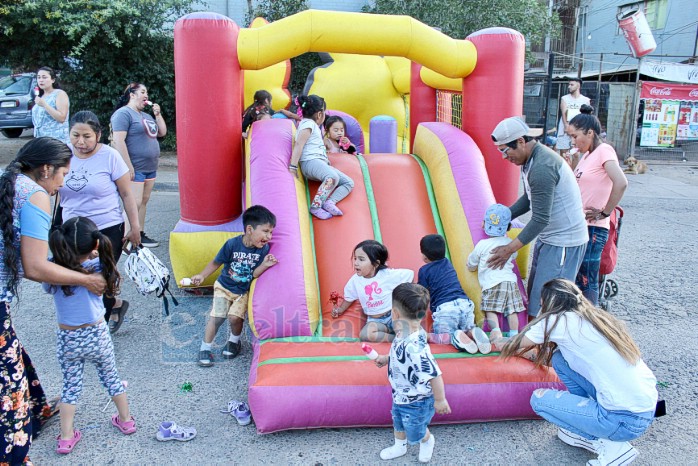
(602, 184)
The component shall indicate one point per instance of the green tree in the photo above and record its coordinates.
(458, 18)
(274, 10)
(97, 46)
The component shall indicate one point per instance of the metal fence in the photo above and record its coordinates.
(613, 105)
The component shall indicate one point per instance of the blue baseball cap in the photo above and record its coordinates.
(497, 219)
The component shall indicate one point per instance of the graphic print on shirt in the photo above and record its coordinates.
(78, 179)
(151, 128)
(369, 290)
(411, 375)
(241, 267)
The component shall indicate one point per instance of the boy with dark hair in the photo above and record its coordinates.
(415, 378)
(244, 258)
(452, 311)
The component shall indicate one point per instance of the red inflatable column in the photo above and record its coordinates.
(422, 101)
(208, 85)
(493, 92)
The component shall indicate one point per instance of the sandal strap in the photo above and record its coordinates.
(181, 431)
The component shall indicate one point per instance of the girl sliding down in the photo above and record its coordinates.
(611, 394)
(373, 285)
(310, 152)
(83, 334)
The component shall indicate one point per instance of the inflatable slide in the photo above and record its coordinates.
(308, 370)
(314, 374)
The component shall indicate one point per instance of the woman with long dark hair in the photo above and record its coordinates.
(51, 110)
(25, 189)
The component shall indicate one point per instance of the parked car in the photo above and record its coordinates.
(16, 102)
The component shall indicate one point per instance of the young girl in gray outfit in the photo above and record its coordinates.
(310, 151)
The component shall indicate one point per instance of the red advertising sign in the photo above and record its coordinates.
(670, 114)
(668, 91)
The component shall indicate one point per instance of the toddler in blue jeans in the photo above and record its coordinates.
(453, 312)
(415, 378)
(611, 394)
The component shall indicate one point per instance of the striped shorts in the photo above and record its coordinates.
(504, 298)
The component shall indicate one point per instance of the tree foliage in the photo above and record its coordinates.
(97, 46)
(274, 10)
(458, 18)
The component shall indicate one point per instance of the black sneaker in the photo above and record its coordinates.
(232, 349)
(205, 358)
(148, 242)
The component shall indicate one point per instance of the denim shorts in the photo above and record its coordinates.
(413, 418)
(140, 177)
(386, 320)
(454, 315)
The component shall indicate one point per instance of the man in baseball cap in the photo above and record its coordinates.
(557, 217)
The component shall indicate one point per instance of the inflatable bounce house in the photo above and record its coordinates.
(308, 370)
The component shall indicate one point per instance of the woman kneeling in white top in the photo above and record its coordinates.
(611, 393)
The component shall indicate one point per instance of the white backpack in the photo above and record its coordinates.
(149, 274)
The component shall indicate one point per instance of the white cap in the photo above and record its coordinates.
(512, 129)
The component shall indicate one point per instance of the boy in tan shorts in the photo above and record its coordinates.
(243, 258)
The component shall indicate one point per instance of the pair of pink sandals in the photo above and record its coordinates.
(66, 446)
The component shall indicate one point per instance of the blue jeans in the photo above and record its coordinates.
(577, 410)
(588, 275)
(413, 419)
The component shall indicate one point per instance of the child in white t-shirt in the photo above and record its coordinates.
(373, 284)
(309, 151)
(500, 292)
(611, 394)
(415, 378)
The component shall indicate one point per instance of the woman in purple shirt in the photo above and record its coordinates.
(98, 177)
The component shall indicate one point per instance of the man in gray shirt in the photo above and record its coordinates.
(557, 217)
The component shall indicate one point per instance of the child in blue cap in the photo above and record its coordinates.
(500, 292)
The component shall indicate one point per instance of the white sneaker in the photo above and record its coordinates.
(396, 451)
(459, 345)
(570, 438)
(613, 453)
(482, 340)
(426, 449)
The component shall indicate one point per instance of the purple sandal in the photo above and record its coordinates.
(170, 431)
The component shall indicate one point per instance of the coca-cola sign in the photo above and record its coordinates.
(660, 91)
(668, 91)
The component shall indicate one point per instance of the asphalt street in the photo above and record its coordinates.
(156, 354)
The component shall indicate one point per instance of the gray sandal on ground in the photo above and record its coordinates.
(114, 325)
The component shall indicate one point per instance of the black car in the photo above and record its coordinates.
(16, 102)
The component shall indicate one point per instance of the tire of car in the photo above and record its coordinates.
(12, 133)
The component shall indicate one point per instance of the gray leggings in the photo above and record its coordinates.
(320, 170)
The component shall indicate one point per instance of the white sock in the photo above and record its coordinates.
(205, 346)
(234, 338)
(513, 333)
